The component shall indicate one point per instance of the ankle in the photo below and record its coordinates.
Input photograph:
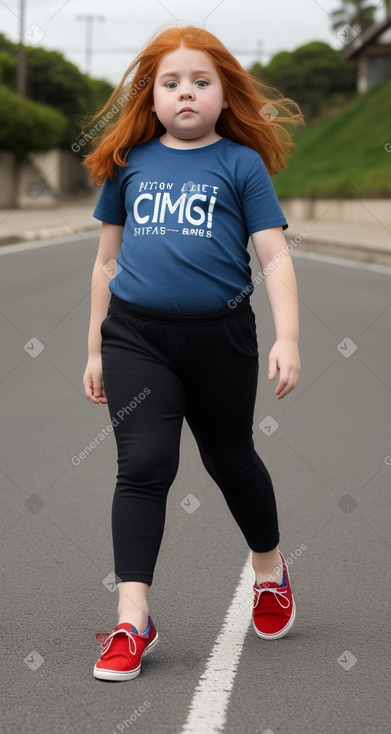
(268, 567)
(132, 604)
(137, 619)
(136, 614)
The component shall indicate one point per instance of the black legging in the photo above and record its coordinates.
(159, 367)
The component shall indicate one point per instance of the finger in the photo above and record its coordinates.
(100, 400)
(283, 381)
(92, 397)
(282, 390)
(87, 389)
(272, 368)
(286, 386)
(91, 391)
(99, 394)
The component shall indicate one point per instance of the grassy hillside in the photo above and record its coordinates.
(344, 155)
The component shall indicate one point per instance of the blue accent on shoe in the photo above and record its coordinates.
(146, 631)
(283, 582)
(148, 627)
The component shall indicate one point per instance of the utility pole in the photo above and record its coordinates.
(21, 79)
(259, 51)
(89, 19)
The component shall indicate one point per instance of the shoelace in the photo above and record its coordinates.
(278, 593)
(105, 640)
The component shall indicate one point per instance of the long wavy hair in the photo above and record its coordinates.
(257, 116)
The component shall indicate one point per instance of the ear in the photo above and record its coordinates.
(153, 108)
(225, 105)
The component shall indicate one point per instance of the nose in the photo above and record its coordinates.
(186, 92)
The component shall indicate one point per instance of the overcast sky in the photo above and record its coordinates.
(259, 27)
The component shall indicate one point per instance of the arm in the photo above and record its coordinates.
(281, 289)
(109, 247)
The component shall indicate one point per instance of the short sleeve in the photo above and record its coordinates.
(111, 205)
(261, 207)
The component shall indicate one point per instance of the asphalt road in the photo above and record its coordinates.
(329, 458)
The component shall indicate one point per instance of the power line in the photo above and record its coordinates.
(257, 52)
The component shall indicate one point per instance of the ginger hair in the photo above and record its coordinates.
(245, 121)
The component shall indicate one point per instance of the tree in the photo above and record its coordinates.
(7, 68)
(356, 13)
(28, 126)
(314, 75)
(55, 81)
(6, 45)
(387, 8)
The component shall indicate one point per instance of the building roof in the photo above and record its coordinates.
(370, 35)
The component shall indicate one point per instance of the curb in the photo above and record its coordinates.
(351, 252)
(44, 234)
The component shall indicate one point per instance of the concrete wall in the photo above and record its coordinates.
(58, 174)
(8, 180)
(356, 211)
(47, 176)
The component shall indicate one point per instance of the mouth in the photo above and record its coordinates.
(186, 109)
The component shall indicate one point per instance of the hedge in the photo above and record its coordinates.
(28, 126)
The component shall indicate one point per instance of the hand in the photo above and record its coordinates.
(92, 380)
(284, 356)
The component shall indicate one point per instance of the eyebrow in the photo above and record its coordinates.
(202, 72)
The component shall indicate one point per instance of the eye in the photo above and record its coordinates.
(170, 85)
(201, 83)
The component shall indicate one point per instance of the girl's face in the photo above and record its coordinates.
(188, 96)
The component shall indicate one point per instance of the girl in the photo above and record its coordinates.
(189, 141)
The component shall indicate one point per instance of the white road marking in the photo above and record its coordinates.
(307, 254)
(208, 708)
(344, 261)
(36, 244)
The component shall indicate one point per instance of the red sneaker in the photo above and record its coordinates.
(122, 651)
(274, 608)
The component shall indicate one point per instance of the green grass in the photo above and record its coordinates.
(343, 156)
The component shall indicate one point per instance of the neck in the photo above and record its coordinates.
(183, 144)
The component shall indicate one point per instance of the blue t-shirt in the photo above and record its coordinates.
(187, 216)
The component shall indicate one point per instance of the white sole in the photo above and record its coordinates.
(283, 632)
(103, 674)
